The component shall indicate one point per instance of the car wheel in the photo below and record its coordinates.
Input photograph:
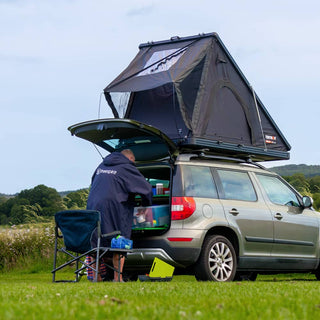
(245, 276)
(217, 261)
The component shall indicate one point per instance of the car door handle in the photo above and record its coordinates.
(234, 211)
(278, 216)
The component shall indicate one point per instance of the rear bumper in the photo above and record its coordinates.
(144, 257)
(178, 254)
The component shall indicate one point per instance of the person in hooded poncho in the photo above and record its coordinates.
(114, 185)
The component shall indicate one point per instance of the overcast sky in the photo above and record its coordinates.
(57, 56)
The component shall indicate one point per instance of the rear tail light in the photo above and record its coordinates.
(182, 207)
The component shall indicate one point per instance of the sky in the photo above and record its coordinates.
(56, 57)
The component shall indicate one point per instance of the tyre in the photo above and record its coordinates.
(217, 261)
(245, 276)
(130, 276)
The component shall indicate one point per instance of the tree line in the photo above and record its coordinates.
(306, 187)
(41, 203)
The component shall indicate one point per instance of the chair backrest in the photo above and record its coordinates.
(77, 228)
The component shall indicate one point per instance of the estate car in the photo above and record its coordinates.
(217, 217)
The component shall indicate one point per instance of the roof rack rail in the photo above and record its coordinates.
(200, 154)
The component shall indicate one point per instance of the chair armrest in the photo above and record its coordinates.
(111, 234)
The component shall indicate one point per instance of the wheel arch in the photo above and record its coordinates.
(228, 233)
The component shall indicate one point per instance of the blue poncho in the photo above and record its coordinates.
(114, 184)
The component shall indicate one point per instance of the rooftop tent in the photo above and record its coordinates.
(192, 90)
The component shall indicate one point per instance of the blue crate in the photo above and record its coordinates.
(121, 243)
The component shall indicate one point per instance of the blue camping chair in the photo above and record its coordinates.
(76, 228)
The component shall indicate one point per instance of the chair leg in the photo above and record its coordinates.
(55, 260)
(97, 267)
(77, 267)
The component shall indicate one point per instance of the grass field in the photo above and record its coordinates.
(34, 296)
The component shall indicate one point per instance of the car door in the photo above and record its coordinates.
(296, 230)
(246, 212)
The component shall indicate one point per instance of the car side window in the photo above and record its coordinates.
(237, 185)
(277, 191)
(198, 182)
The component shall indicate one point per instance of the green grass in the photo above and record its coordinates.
(28, 245)
(34, 296)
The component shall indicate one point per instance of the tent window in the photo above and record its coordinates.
(120, 100)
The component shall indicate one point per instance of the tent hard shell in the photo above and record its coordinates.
(192, 90)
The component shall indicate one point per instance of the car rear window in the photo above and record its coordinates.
(198, 182)
(237, 185)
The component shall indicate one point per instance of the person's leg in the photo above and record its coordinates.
(94, 274)
(116, 258)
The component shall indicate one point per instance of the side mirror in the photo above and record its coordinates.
(307, 202)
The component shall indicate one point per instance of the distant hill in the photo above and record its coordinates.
(7, 195)
(290, 169)
(286, 170)
(64, 193)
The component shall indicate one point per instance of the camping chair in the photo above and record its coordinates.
(76, 228)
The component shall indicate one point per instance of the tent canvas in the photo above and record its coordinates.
(193, 91)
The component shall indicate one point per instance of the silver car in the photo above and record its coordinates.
(216, 217)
